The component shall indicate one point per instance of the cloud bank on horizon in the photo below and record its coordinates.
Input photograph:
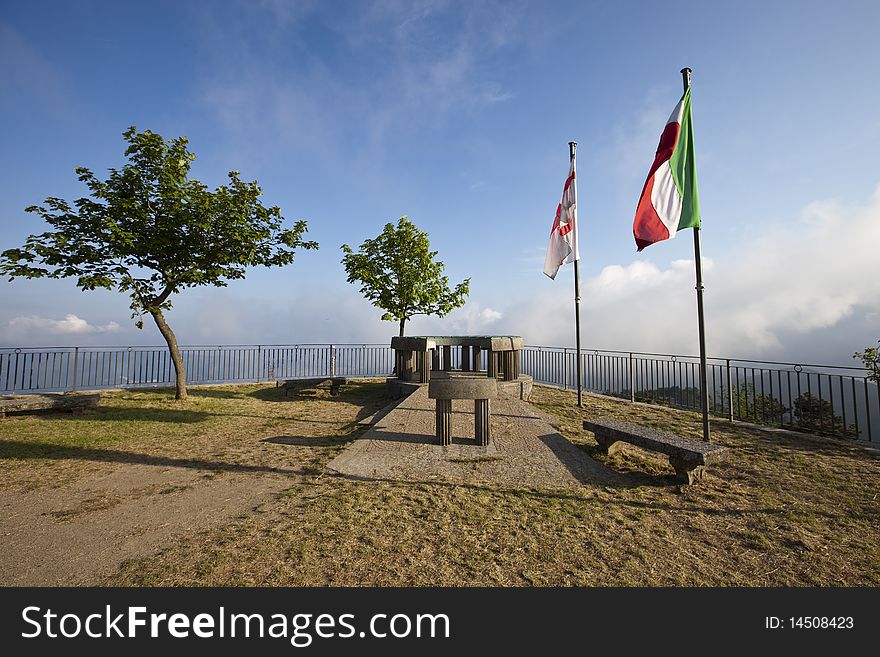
(813, 276)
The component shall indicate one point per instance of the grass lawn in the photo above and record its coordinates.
(784, 509)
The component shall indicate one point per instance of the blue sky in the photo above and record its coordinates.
(458, 114)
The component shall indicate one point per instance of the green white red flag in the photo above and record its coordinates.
(669, 201)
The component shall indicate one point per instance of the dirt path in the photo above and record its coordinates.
(79, 534)
(80, 495)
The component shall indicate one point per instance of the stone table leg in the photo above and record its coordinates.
(407, 362)
(435, 359)
(482, 417)
(509, 365)
(444, 421)
(465, 358)
(447, 358)
(424, 366)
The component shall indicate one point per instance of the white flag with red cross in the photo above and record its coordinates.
(563, 246)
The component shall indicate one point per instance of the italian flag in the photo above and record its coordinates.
(669, 200)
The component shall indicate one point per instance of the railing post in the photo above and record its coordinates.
(259, 363)
(632, 379)
(332, 360)
(15, 372)
(565, 369)
(729, 393)
(75, 366)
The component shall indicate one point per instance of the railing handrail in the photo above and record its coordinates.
(584, 351)
(203, 346)
(715, 358)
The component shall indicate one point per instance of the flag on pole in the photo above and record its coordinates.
(669, 201)
(563, 246)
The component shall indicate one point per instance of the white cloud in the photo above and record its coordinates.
(70, 325)
(811, 274)
(471, 319)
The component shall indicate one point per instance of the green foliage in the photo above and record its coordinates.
(871, 359)
(398, 273)
(816, 415)
(749, 406)
(688, 397)
(150, 230)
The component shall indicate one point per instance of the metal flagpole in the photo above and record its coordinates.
(698, 261)
(572, 146)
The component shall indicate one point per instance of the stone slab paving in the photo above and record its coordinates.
(526, 451)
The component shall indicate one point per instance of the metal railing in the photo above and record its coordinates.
(823, 399)
(59, 369)
(836, 401)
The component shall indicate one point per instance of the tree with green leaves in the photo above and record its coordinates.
(871, 359)
(749, 406)
(815, 415)
(150, 230)
(398, 273)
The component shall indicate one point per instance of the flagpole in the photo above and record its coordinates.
(572, 146)
(698, 262)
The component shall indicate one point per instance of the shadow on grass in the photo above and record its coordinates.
(308, 441)
(266, 393)
(566, 495)
(590, 472)
(359, 394)
(269, 392)
(12, 449)
(141, 414)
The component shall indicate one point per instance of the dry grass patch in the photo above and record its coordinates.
(782, 510)
(81, 494)
(214, 431)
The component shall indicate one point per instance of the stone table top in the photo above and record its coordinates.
(488, 342)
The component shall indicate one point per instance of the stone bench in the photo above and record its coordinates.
(689, 457)
(293, 385)
(480, 389)
(26, 403)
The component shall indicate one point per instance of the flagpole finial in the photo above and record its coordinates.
(572, 146)
(686, 77)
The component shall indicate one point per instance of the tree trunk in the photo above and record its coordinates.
(176, 358)
(394, 369)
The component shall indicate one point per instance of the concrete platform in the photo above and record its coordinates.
(526, 451)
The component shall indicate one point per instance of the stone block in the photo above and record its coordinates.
(463, 388)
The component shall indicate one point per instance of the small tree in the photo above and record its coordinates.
(871, 359)
(749, 406)
(150, 230)
(817, 416)
(398, 274)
